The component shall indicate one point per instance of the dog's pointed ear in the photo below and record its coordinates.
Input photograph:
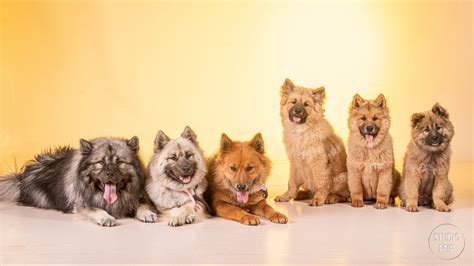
(440, 111)
(416, 118)
(319, 94)
(257, 143)
(160, 141)
(133, 143)
(357, 101)
(287, 87)
(226, 143)
(85, 146)
(380, 101)
(189, 134)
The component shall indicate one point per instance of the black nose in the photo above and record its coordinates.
(241, 187)
(186, 169)
(369, 128)
(297, 111)
(109, 173)
(435, 137)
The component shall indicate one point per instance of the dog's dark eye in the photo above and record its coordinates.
(188, 155)
(438, 128)
(375, 118)
(363, 118)
(249, 168)
(427, 129)
(294, 101)
(306, 104)
(173, 157)
(233, 169)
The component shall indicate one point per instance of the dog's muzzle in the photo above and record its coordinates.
(369, 132)
(298, 114)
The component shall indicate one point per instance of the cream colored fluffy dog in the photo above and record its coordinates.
(317, 155)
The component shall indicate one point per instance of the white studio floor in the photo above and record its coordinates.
(331, 234)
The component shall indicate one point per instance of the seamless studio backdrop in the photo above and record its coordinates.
(82, 69)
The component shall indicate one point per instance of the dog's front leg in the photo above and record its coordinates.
(440, 191)
(145, 214)
(182, 215)
(410, 190)
(293, 186)
(321, 180)
(354, 180)
(232, 212)
(384, 188)
(97, 216)
(263, 209)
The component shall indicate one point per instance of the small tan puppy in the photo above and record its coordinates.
(370, 163)
(317, 155)
(425, 172)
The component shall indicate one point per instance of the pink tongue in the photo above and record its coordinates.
(242, 197)
(369, 138)
(110, 193)
(296, 119)
(185, 179)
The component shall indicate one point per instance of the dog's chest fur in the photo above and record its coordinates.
(370, 161)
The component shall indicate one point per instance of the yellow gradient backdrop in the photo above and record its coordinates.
(81, 69)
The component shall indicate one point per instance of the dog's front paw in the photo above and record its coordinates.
(331, 199)
(316, 202)
(402, 203)
(278, 218)
(442, 208)
(190, 218)
(357, 203)
(106, 220)
(250, 220)
(381, 204)
(146, 216)
(176, 221)
(282, 198)
(412, 208)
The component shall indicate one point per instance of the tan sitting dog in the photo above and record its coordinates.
(317, 155)
(236, 177)
(370, 162)
(425, 173)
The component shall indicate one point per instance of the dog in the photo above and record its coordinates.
(102, 181)
(317, 155)
(177, 178)
(425, 170)
(237, 175)
(370, 161)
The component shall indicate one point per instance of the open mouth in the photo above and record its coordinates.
(185, 179)
(242, 197)
(297, 119)
(369, 137)
(110, 192)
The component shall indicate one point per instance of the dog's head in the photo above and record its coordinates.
(242, 167)
(432, 130)
(178, 163)
(299, 105)
(369, 120)
(111, 165)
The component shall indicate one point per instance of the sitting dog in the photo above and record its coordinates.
(425, 172)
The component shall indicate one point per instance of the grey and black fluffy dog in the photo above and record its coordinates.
(102, 181)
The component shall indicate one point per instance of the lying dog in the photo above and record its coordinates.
(236, 178)
(177, 178)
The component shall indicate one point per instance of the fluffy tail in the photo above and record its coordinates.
(9, 187)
